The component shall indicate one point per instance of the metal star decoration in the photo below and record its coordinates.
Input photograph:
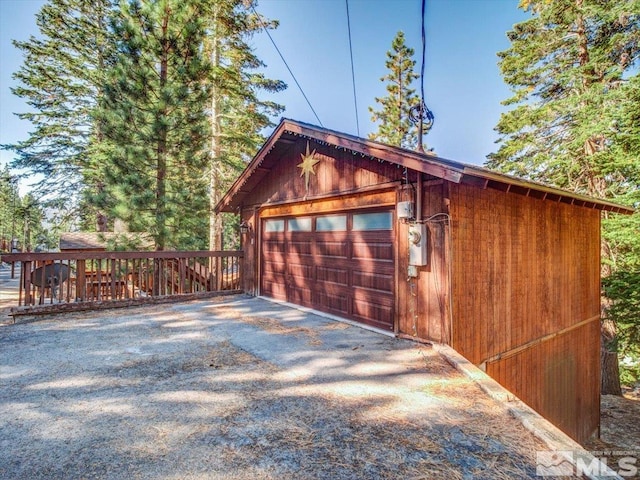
(307, 166)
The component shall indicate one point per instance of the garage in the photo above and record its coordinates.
(505, 271)
(340, 263)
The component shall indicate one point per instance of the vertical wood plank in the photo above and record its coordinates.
(525, 268)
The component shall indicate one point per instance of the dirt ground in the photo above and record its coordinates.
(619, 429)
(620, 421)
(242, 388)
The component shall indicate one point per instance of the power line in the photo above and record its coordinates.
(420, 113)
(424, 49)
(353, 75)
(264, 27)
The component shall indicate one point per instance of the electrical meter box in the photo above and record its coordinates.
(405, 210)
(418, 244)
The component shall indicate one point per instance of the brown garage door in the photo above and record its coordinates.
(340, 263)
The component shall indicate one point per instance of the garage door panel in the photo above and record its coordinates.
(300, 247)
(338, 303)
(300, 271)
(379, 281)
(368, 251)
(274, 244)
(270, 278)
(275, 286)
(338, 276)
(373, 267)
(300, 295)
(331, 288)
(332, 249)
(374, 297)
(380, 316)
(274, 267)
(373, 309)
(274, 251)
(275, 289)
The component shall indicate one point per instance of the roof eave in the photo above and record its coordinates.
(570, 197)
(224, 205)
(429, 164)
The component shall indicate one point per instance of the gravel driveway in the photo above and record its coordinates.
(241, 388)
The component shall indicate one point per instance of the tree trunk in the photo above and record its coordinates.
(161, 167)
(609, 369)
(215, 194)
(610, 372)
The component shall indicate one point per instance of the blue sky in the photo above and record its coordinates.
(463, 86)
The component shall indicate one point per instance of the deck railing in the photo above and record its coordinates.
(80, 278)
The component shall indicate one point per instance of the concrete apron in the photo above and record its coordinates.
(553, 437)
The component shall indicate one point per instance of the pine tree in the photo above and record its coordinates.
(573, 71)
(21, 218)
(29, 226)
(237, 113)
(154, 122)
(61, 79)
(395, 126)
(9, 201)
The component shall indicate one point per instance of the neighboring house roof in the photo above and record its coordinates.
(457, 172)
(100, 240)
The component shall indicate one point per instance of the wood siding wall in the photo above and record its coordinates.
(338, 172)
(524, 269)
(423, 302)
(556, 381)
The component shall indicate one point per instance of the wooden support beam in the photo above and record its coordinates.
(526, 346)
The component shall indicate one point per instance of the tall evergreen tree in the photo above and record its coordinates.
(573, 71)
(395, 126)
(30, 230)
(237, 113)
(21, 218)
(61, 79)
(154, 122)
(9, 201)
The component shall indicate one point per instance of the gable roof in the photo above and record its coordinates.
(428, 163)
(99, 240)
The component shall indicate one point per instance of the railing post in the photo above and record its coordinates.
(181, 274)
(112, 278)
(218, 273)
(156, 277)
(81, 281)
(25, 273)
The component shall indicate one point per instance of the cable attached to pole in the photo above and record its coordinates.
(424, 51)
(421, 113)
(353, 75)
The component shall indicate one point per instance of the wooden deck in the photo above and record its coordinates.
(53, 282)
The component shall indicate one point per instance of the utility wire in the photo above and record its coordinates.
(424, 48)
(353, 75)
(420, 113)
(264, 27)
